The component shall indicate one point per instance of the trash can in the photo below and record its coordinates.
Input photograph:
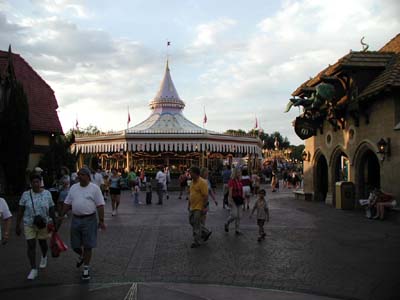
(344, 195)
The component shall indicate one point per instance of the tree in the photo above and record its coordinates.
(297, 152)
(235, 132)
(16, 138)
(90, 130)
(58, 155)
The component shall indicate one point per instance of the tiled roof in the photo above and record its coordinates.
(393, 45)
(389, 78)
(387, 59)
(41, 98)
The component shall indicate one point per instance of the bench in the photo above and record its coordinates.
(301, 195)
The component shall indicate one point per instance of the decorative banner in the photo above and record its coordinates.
(304, 127)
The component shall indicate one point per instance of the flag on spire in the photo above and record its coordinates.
(168, 43)
(256, 125)
(129, 117)
(205, 116)
(76, 124)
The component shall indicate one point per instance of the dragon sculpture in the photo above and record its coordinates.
(323, 92)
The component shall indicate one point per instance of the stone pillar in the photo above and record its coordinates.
(128, 160)
(80, 161)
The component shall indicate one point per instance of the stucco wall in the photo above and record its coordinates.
(381, 125)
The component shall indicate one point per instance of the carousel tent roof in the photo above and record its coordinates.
(167, 129)
(166, 116)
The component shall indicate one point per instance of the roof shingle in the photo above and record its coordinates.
(41, 99)
(387, 59)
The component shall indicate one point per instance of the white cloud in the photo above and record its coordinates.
(96, 75)
(207, 34)
(76, 7)
(297, 42)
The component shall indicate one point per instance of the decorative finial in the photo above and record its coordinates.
(168, 44)
(364, 45)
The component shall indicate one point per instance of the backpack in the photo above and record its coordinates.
(237, 191)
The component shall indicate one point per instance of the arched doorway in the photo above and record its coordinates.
(321, 178)
(369, 175)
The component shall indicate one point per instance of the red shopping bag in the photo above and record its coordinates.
(57, 245)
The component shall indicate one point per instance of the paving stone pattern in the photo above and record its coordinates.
(310, 248)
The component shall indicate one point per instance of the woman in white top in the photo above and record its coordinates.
(36, 207)
(6, 215)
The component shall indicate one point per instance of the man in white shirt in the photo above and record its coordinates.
(161, 178)
(84, 199)
(5, 215)
(98, 179)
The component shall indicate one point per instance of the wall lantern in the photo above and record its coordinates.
(306, 156)
(383, 148)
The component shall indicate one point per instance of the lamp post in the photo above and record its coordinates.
(384, 148)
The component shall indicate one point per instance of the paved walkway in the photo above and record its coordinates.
(312, 251)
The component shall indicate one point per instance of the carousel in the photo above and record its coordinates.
(166, 138)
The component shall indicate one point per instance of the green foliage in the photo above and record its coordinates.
(91, 129)
(297, 152)
(16, 139)
(235, 132)
(267, 139)
(58, 156)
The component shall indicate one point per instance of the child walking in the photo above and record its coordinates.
(149, 191)
(261, 206)
(136, 192)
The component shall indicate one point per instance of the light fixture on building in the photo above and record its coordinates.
(306, 156)
(383, 148)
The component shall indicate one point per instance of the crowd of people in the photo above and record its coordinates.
(82, 196)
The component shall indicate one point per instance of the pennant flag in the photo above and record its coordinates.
(256, 125)
(205, 118)
(129, 116)
(168, 43)
(77, 124)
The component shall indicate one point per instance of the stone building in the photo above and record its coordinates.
(355, 134)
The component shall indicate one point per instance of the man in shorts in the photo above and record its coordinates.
(84, 199)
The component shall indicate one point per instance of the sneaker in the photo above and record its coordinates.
(85, 273)
(167, 197)
(237, 232)
(32, 274)
(207, 236)
(79, 262)
(43, 262)
(113, 213)
(194, 245)
(259, 239)
(226, 226)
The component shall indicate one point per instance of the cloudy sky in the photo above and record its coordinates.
(238, 59)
